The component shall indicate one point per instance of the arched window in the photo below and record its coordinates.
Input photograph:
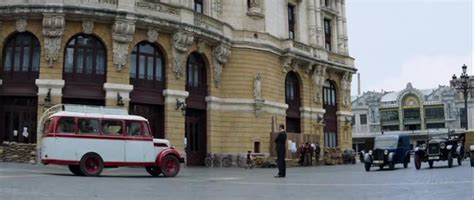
(330, 117)
(292, 98)
(196, 80)
(85, 57)
(146, 63)
(21, 53)
(85, 64)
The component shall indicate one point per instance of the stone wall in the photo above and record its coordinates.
(18, 152)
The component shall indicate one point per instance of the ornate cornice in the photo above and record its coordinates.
(181, 42)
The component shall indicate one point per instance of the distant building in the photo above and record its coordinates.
(411, 111)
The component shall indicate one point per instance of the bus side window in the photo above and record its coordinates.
(89, 126)
(66, 125)
(111, 127)
(146, 129)
(133, 128)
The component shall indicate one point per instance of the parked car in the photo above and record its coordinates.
(439, 149)
(389, 150)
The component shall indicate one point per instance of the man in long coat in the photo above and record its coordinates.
(280, 141)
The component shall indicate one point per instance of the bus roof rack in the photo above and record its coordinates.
(94, 109)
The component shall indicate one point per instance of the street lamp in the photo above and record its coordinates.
(463, 84)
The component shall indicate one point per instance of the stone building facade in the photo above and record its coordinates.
(411, 111)
(209, 75)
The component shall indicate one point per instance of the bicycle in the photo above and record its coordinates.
(241, 161)
(212, 160)
(227, 161)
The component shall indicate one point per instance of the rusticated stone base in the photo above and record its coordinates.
(18, 152)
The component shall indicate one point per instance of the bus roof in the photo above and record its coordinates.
(97, 115)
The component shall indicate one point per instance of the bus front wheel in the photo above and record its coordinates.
(91, 164)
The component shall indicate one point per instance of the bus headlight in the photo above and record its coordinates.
(370, 152)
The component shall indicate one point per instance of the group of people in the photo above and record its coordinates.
(307, 151)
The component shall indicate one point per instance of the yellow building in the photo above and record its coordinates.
(211, 76)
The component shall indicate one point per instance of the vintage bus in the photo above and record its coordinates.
(88, 139)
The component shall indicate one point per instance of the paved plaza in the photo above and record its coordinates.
(23, 181)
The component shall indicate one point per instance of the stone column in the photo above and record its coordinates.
(340, 31)
(344, 26)
(117, 95)
(49, 94)
(175, 119)
(319, 20)
(312, 23)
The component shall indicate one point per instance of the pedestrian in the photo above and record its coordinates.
(301, 154)
(280, 141)
(249, 160)
(317, 151)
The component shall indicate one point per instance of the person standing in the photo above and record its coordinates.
(317, 152)
(280, 141)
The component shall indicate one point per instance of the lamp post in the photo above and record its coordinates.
(463, 84)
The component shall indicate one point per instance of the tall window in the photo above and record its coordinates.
(330, 117)
(291, 21)
(292, 98)
(146, 63)
(198, 6)
(363, 119)
(21, 53)
(85, 56)
(196, 73)
(327, 34)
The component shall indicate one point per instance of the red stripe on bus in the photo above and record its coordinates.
(101, 137)
(106, 164)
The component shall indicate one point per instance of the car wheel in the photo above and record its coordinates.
(391, 165)
(226, 162)
(91, 165)
(459, 160)
(430, 163)
(367, 166)
(405, 163)
(417, 162)
(380, 167)
(353, 161)
(75, 170)
(154, 171)
(471, 157)
(170, 166)
(450, 159)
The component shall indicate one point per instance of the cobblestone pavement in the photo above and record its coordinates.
(24, 181)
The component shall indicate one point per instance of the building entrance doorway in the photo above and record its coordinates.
(195, 136)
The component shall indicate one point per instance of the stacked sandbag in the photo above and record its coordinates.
(18, 152)
(332, 156)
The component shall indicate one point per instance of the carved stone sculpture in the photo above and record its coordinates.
(346, 88)
(122, 35)
(221, 54)
(152, 35)
(21, 24)
(319, 75)
(288, 64)
(87, 26)
(257, 86)
(181, 43)
(53, 30)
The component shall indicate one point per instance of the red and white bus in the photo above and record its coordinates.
(89, 139)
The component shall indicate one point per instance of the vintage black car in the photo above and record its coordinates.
(388, 151)
(439, 149)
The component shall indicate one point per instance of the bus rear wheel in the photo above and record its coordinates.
(75, 170)
(154, 171)
(91, 164)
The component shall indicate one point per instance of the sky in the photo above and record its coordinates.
(395, 42)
